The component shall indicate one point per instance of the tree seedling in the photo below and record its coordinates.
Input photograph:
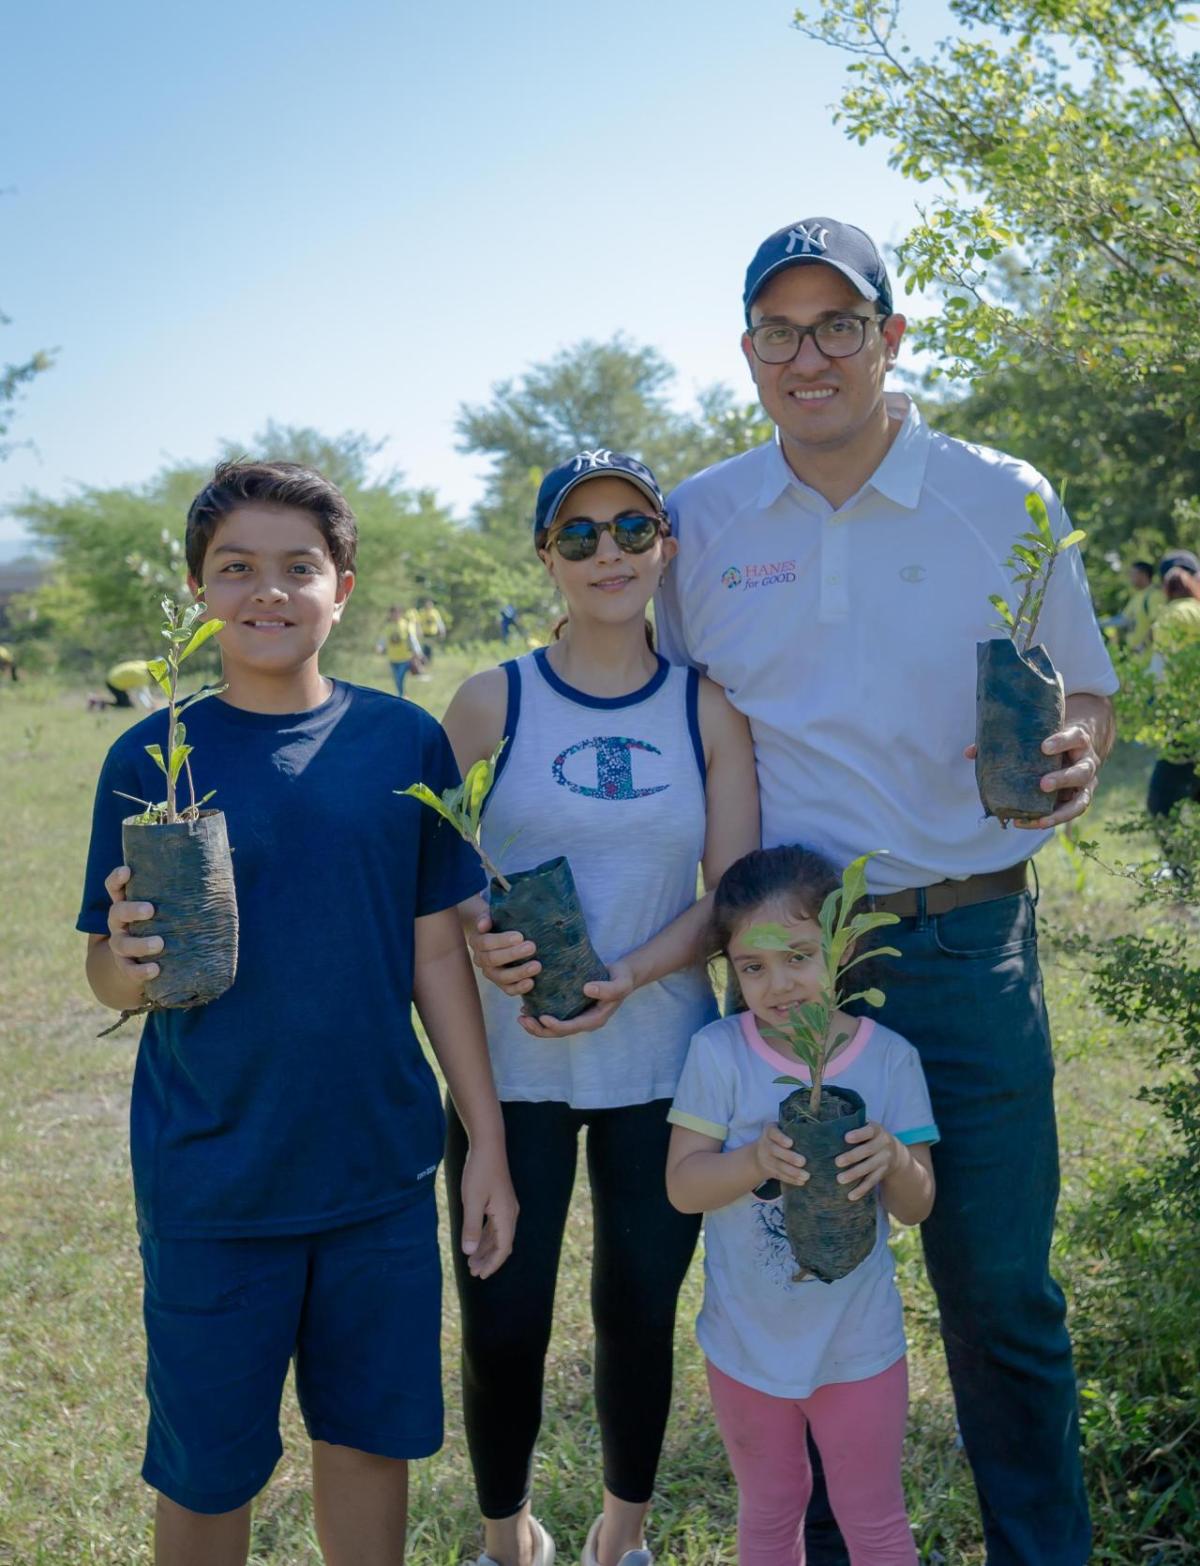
(809, 1035)
(184, 632)
(1031, 565)
(462, 807)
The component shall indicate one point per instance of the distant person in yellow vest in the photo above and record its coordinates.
(401, 645)
(127, 682)
(8, 663)
(431, 627)
(1143, 603)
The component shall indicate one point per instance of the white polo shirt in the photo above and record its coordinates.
(848, 639)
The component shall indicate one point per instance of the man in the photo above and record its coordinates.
(431, 627)
(1144, 601)
(835, 581)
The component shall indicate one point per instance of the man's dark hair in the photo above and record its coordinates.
(1143, 566)
(236, 484)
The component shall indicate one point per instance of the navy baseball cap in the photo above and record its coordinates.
(820, 239)
(584, 465)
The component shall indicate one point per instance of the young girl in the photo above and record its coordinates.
(784, 1356)
(639, 772)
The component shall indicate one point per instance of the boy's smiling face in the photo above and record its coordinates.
(269, 575)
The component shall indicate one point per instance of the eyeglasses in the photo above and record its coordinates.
(837, 337)
(579, 538)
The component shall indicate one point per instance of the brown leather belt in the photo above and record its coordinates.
(944, 896)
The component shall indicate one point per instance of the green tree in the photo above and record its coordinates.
(115, 551)
(1065, 251)
(613, 394)
(1128, 477)
(1068, 130)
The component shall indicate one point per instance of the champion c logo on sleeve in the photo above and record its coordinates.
(614, 768)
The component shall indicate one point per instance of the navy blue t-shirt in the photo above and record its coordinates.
(301, 1099)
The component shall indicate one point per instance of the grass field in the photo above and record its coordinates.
(71, 1355)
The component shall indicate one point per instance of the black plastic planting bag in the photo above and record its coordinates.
(1018, 703)
(186, 871)
(544, 906)
(828, 1233)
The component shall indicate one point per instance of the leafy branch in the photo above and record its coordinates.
(185, 632)
(1031, 566)
(808, 1035)
(462, 807)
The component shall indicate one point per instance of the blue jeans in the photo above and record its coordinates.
(399, 670)
(968, 993)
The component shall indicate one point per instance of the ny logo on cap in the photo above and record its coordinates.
(811, 239)
(594, 459)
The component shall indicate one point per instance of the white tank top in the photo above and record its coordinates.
(617, 785)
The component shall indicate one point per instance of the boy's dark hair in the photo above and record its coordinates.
(235, 484)
(799, 875)
(1144, 567)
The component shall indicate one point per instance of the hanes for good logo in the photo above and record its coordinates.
(764, 573)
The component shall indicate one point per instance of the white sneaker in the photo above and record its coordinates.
(641, 1557)
(543, 1548)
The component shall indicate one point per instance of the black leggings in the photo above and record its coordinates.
(640, 1255)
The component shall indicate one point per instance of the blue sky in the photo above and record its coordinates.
(359, 216)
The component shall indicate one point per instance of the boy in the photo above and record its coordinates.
(285, 1137)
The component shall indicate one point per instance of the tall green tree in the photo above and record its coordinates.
(614, 394)
(1070, 131)
(1066, 250)
(115, 551)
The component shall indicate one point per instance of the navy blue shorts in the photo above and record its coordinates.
(358, 1309)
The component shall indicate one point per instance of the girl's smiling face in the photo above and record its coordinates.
(611, 585)
(773, 983)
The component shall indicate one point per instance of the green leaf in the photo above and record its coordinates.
(205, 690)
(768, 938)
(200, 636)
(874, 996)
(158, 668)
(1072, 538)
(864, 922)
(422, 792)
(178, 756)
(156, 756)
(1000, 605)
(1036, 507)
(475, 790)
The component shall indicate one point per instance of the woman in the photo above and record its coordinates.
(638, 772)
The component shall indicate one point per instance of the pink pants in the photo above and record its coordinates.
(859, 1430)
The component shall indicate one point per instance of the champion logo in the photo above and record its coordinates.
(913, 573)
(601, 458)
(762, 573)
(812, 239)
(614, 768)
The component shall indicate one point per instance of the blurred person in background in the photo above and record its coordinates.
(401, 645)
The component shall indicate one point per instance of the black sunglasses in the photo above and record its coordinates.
(579, 538)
